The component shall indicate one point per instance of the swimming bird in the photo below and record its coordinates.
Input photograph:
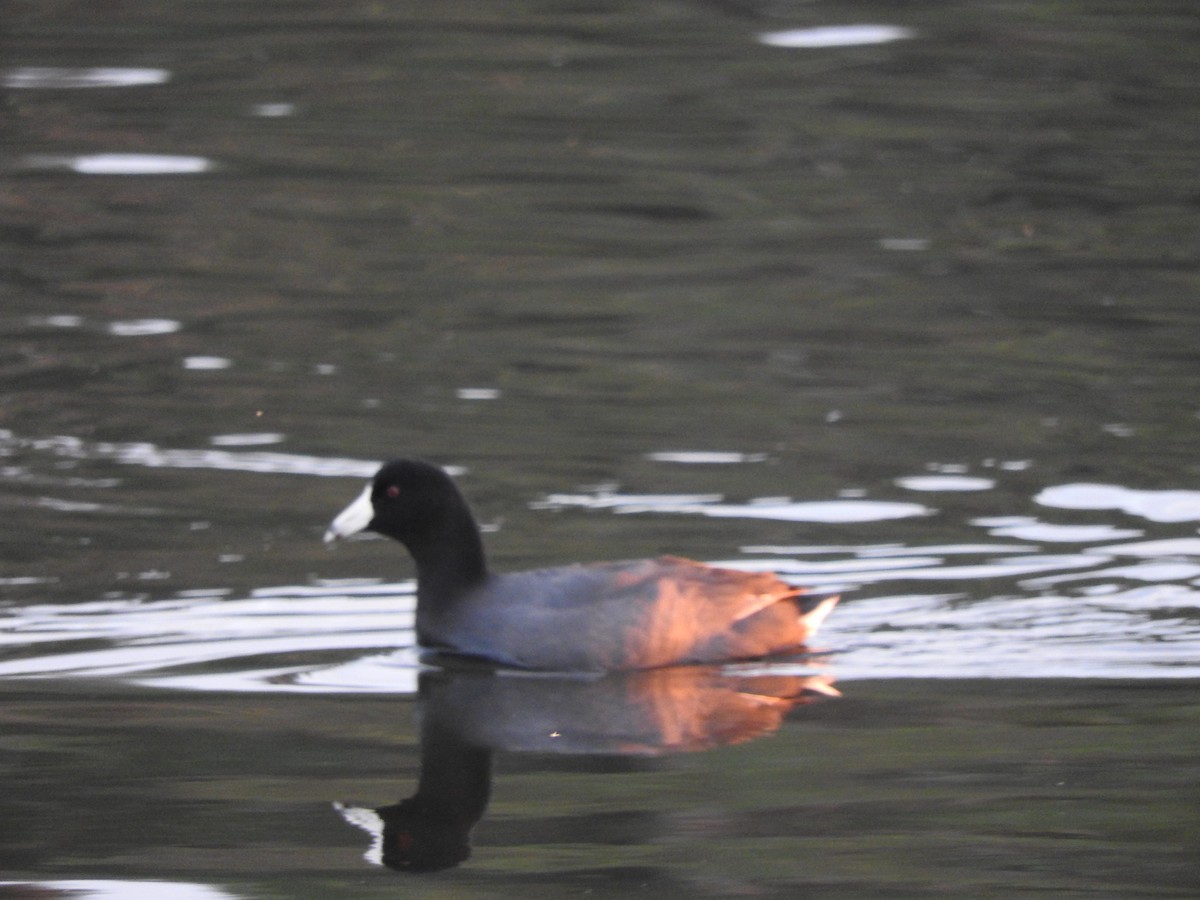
(607, 616)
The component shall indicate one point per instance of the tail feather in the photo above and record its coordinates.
(812, 619)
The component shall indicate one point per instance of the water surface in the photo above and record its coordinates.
(897, 302)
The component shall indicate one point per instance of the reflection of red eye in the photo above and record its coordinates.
(392, 491)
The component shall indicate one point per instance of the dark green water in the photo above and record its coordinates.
(548, 243)
(903, 788)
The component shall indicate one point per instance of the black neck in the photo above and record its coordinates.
(449, 557)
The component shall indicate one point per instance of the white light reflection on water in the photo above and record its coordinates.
(1157, 506)
(246, 440)
(61, 78)
(705, 457)
(58, 321)
(143, 327)
(835, 36)
(95, 889)
(121, 163)
(258, 461)
(273, 110)
(1027, 528)
(477, 393)
(945, 483)
(1134, 633)
(1081, 616)
(207, 642)
(1041, 599)
(920, 568)
(206, 363)
(154, 457)
(776, 508)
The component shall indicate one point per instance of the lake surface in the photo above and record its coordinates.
(898, 301)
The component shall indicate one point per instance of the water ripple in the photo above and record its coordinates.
(1156, 506)
(60, 78)
(1080, 616)
(120, 163)
(115, 889)
(1135, 633)
(776, 508)
(215, 643)
(1083, 598)
(835, 36)
(155, 457)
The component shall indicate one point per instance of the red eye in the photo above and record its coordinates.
(392, 491)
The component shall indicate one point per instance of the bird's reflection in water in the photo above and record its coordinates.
(468, 713)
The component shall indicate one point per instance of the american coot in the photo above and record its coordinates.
(635, 614)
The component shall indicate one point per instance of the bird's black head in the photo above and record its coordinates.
(413, 500)
(418, 504)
